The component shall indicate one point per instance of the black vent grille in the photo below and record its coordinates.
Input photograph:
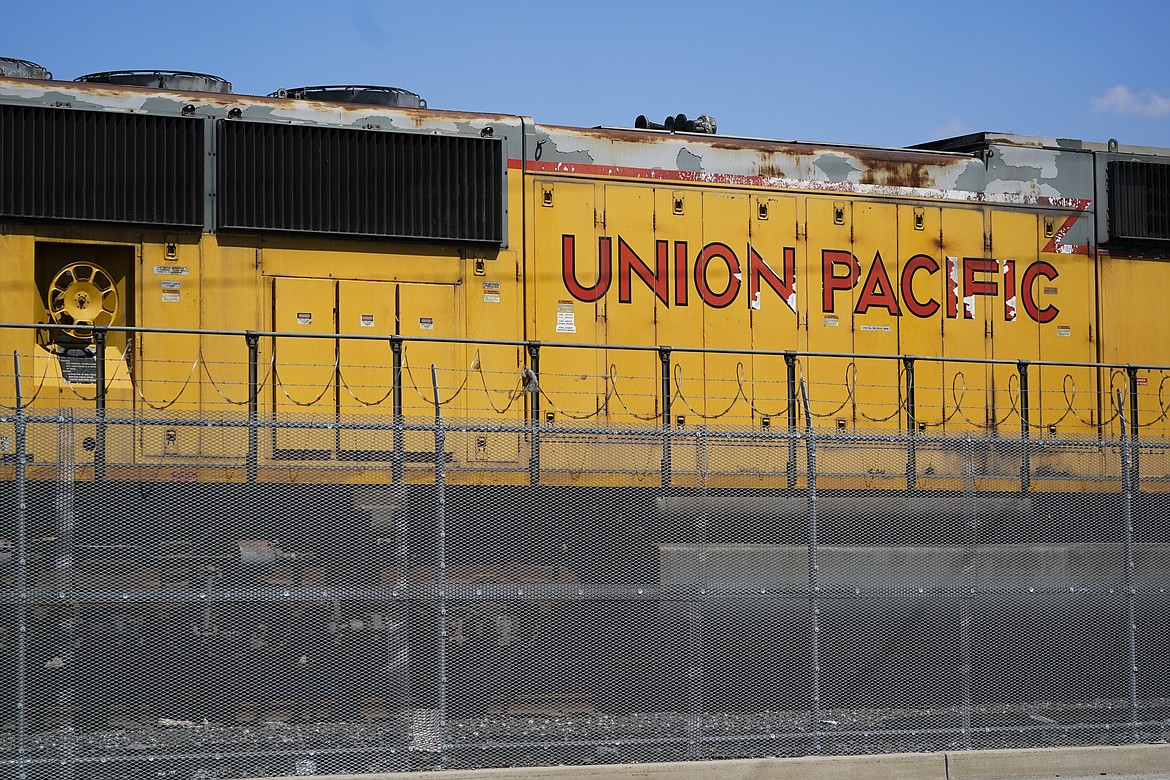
(1139, 201)
(100, 167)
(359, 182)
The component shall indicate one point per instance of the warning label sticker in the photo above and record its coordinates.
(426, 323)
(366, 320)
(566, 321)
(304, 318)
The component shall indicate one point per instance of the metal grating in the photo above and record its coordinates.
(359, 183)
(100, 167)
(1139, 201)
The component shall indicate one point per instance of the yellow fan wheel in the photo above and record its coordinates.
(82, 294)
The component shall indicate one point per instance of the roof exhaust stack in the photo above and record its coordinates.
(22, 69)
(160, 79)
(389, 97)
(704, 123)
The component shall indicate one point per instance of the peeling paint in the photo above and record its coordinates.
(836, 168)
(686, 160)
(1039, 163)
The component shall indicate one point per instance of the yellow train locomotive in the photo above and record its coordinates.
(153, 219)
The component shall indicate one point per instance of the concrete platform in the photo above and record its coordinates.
(1144, 762)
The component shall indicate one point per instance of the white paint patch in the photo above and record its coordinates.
(1028, 157)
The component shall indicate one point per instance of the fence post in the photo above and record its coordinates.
(790, 362)
(253, 340)
(1127, 487)
(441, 544)
(1135, 450)
(19, 477)
(814, 584)
(911, 426)
(534, 403)
(1025, 426)
(99, 453)
(63, 560)
(396, 357)
(664, 360)
(970, 535)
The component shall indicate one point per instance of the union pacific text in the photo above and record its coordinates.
(675, 274)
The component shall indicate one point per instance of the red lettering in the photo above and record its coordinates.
(973, 286)
(1027, 293)
(830, 282)
(952, 287)
(1009, 290)
(628, 260)
(758, 268)
(569, 269)
(913, 266)
(709, 296)
(840, 271)
(681, 289)
(877, 290)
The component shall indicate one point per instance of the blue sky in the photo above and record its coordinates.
(871, 73)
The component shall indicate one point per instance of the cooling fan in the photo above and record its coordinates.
(82, 295)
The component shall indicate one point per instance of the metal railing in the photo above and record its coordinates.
(1035, 412)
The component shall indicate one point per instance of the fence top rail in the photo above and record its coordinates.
(583, 345)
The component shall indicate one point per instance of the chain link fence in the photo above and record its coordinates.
(602, 595)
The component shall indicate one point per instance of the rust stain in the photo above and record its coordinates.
(894, 173)
(771, 171)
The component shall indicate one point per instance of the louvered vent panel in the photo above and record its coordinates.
(359, 182)
(1139, 201)
(91, 166)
